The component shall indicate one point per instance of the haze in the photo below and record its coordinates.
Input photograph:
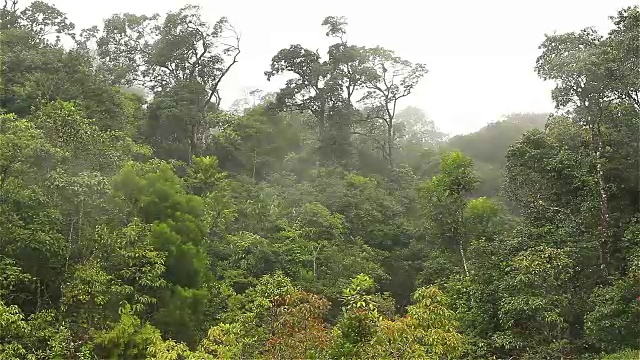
(480, 54)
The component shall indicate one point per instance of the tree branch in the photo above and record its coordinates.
(214, 87)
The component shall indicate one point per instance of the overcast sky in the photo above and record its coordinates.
(480, 54)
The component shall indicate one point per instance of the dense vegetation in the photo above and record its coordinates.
(139, 219)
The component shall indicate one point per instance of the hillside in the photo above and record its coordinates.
(488, 147)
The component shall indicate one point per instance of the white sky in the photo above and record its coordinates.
(480, 53)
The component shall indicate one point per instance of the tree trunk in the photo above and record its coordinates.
(390, 144)
(636, 204)
(255, 159)
(464, 259)
(635, 100)
(38, 298)
(605, 236)
(322, 131)
(80, 213)
(193, 140)
(458, 234)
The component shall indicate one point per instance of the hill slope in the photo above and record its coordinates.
(488, 146)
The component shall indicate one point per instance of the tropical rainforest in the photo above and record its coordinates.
(139, 219)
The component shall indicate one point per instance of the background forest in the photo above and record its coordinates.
(139, 219)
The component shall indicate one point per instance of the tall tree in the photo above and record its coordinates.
(183, 60)
(445, 201)
(324, 88)
(622, 68)
(390, 79)
(573, 61)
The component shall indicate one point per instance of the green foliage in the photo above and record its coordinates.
(623, 355)
(257, 143)
(319, 222)
(444, 201)
(358, 324)
(129, 338)
(182, 60)
(611, 325)
(157, 196)
(39, 336)
(488, 146)
(428, 331)
(535, 315)
(13, 329)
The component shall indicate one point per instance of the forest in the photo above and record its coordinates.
(139, 219)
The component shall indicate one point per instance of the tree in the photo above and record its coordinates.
(181, 57)
(41, 20)
(323, 87)
(321, 257)
(154, 194)
(573, 60)
(428, 331)
(415, 129)
(176, 230)
(444, 201)
(258, 142)
(299, 330)
(536, 302)
(390, 79)
(36, 71)
(622, 71)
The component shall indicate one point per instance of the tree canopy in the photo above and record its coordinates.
(139, 219)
